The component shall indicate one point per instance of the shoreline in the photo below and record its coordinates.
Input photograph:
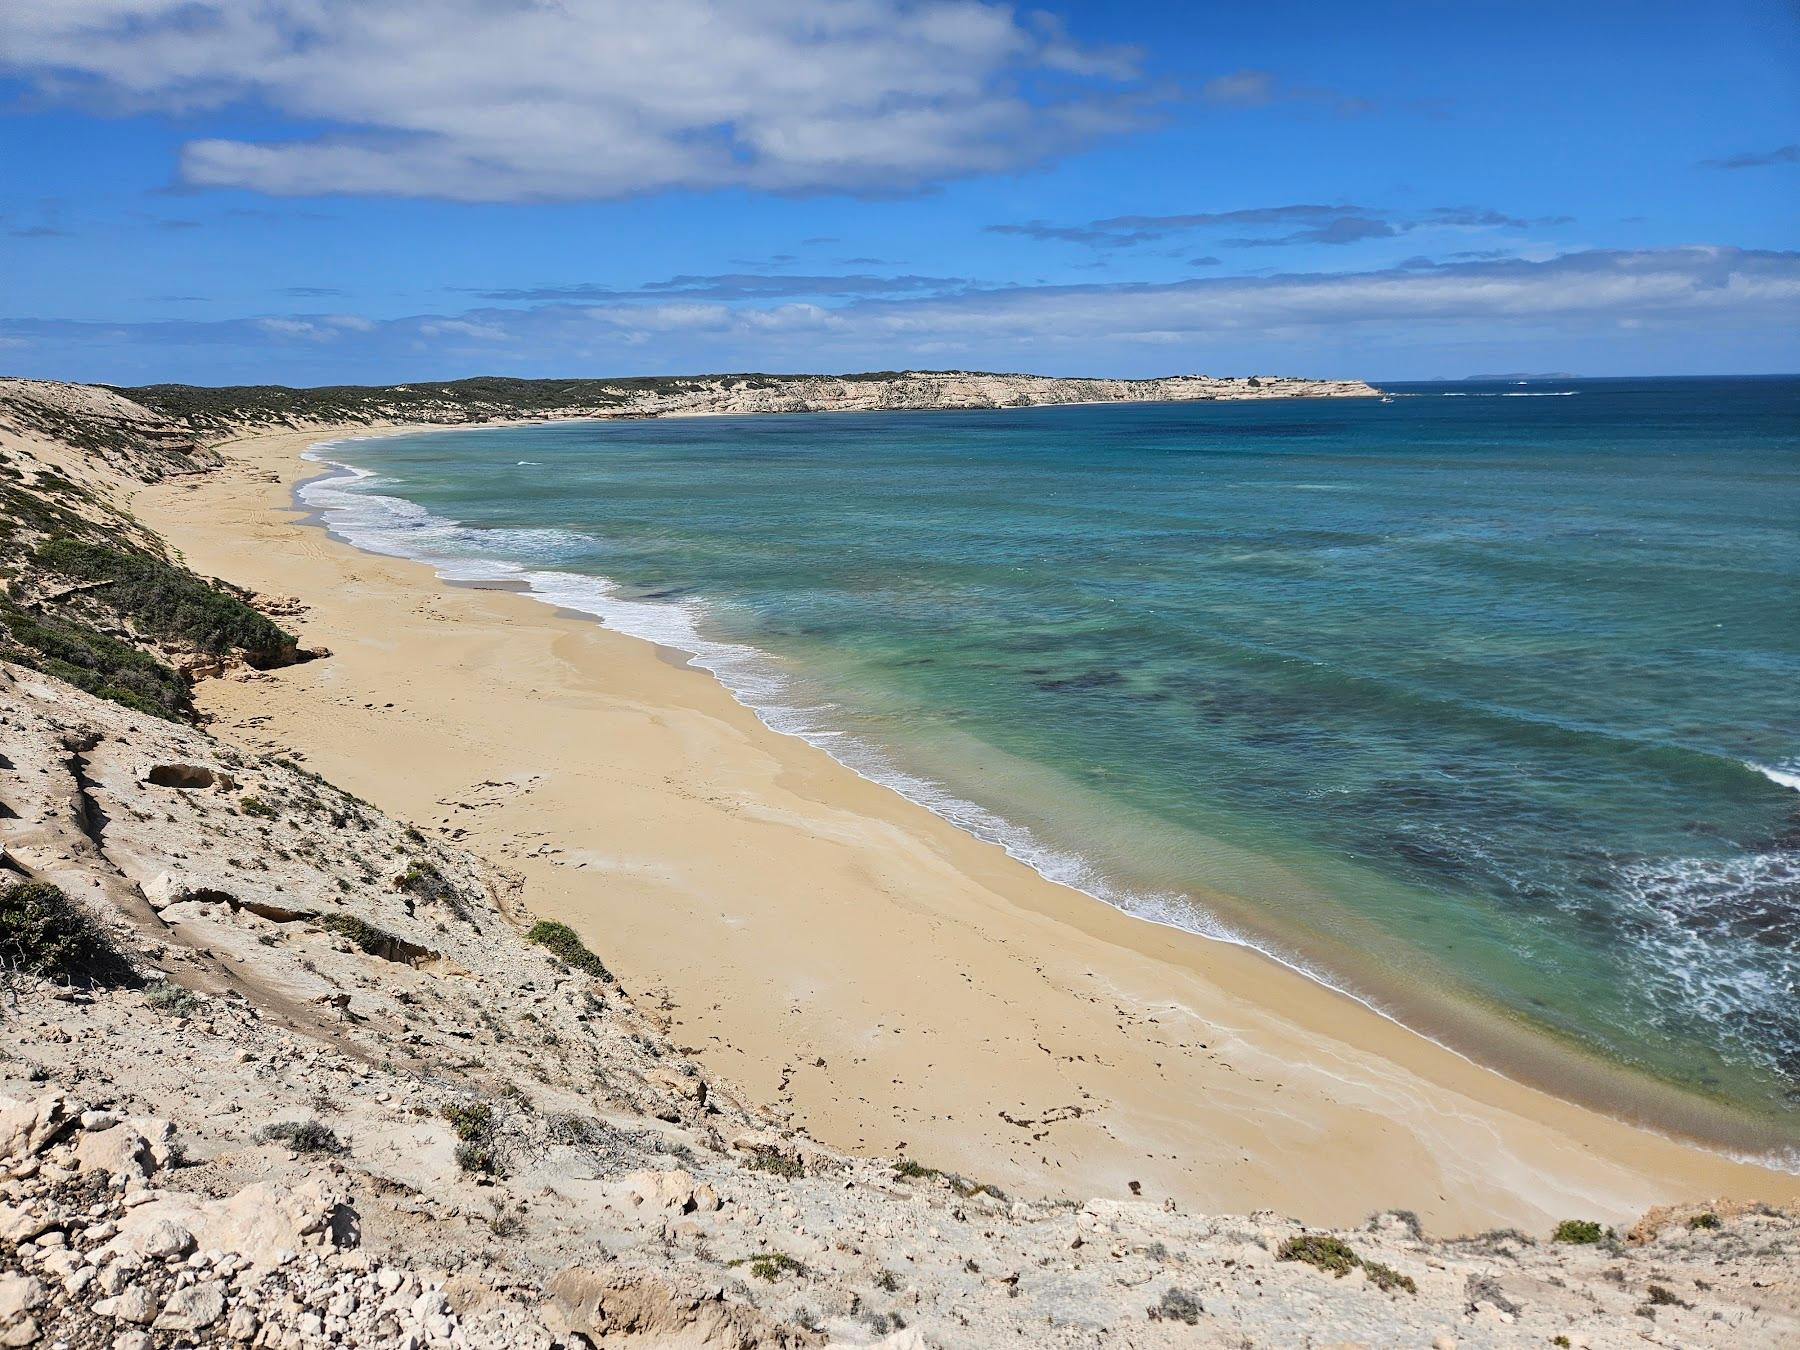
(1170, 1087)
(1491, 1037)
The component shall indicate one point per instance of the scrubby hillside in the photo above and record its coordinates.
(215, 413)
(280, 1070)
(86, 593)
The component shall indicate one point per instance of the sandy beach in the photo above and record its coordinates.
(822, 943)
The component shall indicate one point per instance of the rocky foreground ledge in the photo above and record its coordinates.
(279, 1070)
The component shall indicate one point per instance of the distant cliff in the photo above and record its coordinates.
(215, 413)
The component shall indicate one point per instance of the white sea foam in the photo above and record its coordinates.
(1787, 774)
(351, 507)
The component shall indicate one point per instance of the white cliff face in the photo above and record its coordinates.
(919, 391)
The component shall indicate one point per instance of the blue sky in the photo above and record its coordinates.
(308, 191)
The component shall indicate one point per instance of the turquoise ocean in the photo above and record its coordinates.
(1481, 704)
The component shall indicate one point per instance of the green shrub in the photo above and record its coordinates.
(475, 1127)
(303, 1136)
(776, 1164)
(43, 932)
(565, 944)
(1581, 1232)
(1706, 1220)
(91, 661)
(471, 1122)
(360, 932)
(478, 1158)
(773, 1265)
(424, 880)
(1177, 1305)
(168, 602)
(256, 806)
(172, 1000)
(1338, 1257)
(1327, 1253)
(1386, 1278)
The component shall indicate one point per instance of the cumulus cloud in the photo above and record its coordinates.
(489, 100)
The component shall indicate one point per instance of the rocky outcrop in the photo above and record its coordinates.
(274, 1134)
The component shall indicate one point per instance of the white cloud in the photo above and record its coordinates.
(1700, 308)
(527, 99)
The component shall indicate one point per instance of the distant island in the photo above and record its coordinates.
(1523, 375)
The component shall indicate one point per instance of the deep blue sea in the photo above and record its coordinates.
(1485, 698)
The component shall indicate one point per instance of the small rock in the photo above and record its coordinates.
(242, 1326)
(136, 1304)
(193, 1308)
(19, 1294)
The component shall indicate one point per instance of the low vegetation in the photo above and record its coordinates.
(169, 603)
(1340, 1258)
(303, 1136)
(771, 1265)
(1177, 1305)
(566, 945)
(43, 932)
(908, 1170)
(1581, 1232)
(171, 1000)
(476, 1129)
(94, 662)
(360, 933)
(423, 880)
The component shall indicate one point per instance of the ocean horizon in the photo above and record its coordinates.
(1475, 703)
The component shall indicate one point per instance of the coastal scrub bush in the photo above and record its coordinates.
(172, 1000)
(1338, 1257)
(776, 1164)
(168, 602)
(1706, 1220)
(256, 806)
(475, 1128)
(1177, 1305)
(93, 662)
(567, 946)
(1386, 1278)
(1327, 1253)
(423, 880)
(360, 932)
(303, 1136)
(1581, 1232)
(43, 932)
(773, 1265)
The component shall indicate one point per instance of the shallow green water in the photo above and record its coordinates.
(1463, 698)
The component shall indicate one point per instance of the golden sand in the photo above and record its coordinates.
(832, 948)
